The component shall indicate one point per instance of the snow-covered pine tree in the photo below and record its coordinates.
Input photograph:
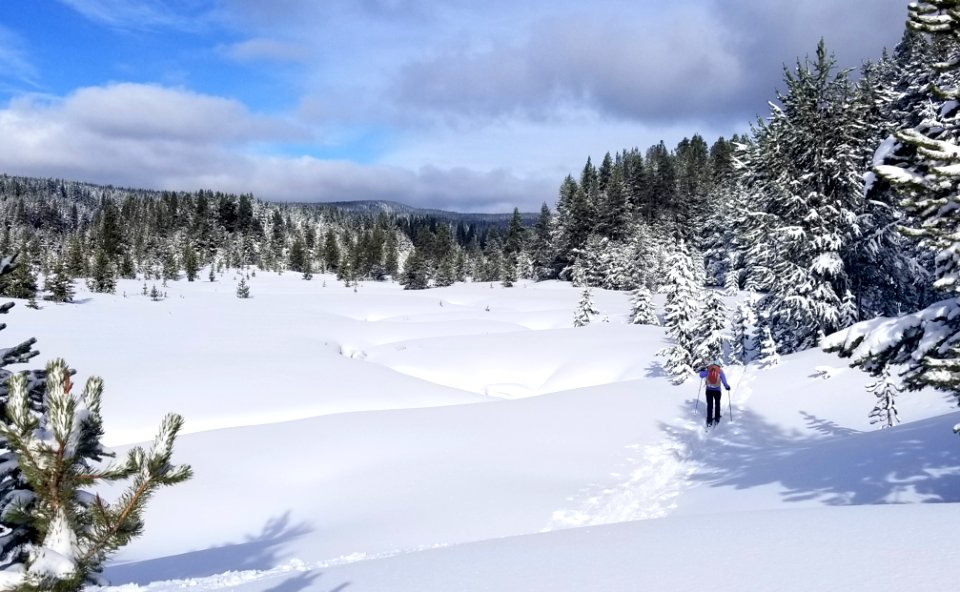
(711, 331)
(75, 531)
(732, 273)
(811, 194)
(21, 282)
(509, 270)
(768, 350)
(585, 310)
(683, 299)
(743, 346)
(885, 389)
(103, 278)
(14, 533)
(416, 272)
(848, 310)
(888, 271)
(59, 285)
(922, 165)
(308, 268)
(578, 271)
(682, 308)
(243, 290)
(643, 312)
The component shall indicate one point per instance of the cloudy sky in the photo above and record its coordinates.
(458, 104)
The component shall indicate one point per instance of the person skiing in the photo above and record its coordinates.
(715, 377)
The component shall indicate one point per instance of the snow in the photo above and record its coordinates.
(416, 441)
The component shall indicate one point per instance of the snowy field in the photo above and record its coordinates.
(470, 439)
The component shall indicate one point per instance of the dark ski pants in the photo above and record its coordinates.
(713, 406)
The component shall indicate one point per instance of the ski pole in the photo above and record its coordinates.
(697, 408)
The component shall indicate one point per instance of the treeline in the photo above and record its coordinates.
(69, 230)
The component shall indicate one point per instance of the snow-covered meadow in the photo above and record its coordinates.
(469, 438)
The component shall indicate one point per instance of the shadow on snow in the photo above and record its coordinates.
(257, 552)
(918, 461)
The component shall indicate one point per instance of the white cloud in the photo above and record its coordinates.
(161, 138)
(14, 59)
(265, 49)
(142, 14)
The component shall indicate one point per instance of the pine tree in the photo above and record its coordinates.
(683, 301)
(191, 264)
(74, 531)
(446, 271)
(768, 350)
(15, 533)
(542, 249)
(243, 290)
(103, 278)
(885, 389)
(810, 190)
(710, 333)
(297, 256)
(509, 271)
(21, 283)
(307, 268)
(682, 308)
(391, 262)
(416, 274)
(743, 345)
(643, 311)
(585, 310)
(922, 165)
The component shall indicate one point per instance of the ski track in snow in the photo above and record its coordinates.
(654, 475)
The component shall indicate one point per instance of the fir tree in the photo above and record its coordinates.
(809, 188)
(191, 265)
(885, 389)
(416, 274)
(297, 256)
(643, 311)
(585, 310)
(768, 349)
(391, 261)
(74, 531)
(15, 533)
(710, 332)
(21, 283)
(682, 307)
(103, 278)
(307, 269)
(743, 345)
(922, 165)
(243, 290)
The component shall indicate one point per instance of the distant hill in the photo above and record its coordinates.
(399, 209)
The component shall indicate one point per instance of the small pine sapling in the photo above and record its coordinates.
(768, 350)
(243, 290)
(643, 311)
(885, 389)
(59, 453)
(585, 310)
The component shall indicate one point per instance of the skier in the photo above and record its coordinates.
(715, 377)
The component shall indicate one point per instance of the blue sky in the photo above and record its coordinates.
(457, 104)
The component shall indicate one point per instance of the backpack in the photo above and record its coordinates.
(713, 376)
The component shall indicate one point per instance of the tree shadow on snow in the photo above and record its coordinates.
(919, 461)
(302, 581)
(257, 552)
